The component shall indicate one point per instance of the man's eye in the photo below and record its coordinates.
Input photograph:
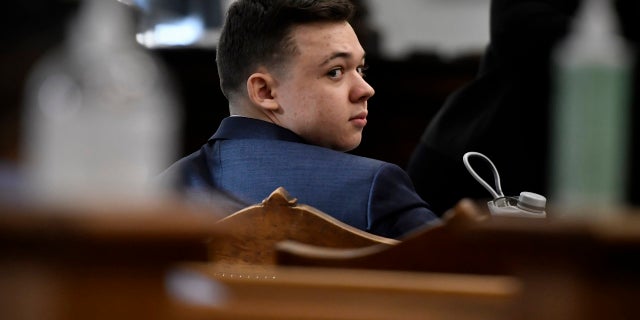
(362, 70)
(335, 73)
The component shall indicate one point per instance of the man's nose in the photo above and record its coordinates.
(361, 91)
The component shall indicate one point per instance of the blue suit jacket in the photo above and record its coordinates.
(250, 158)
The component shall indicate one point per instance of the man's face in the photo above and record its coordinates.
(322, 93)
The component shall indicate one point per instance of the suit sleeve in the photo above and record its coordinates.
(394, 207)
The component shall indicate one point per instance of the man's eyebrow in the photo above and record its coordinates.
(337, 55)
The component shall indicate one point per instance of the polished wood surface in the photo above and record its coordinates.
(583, 265)
(97, 262)
(254, 232)
(448, 247)
(310, 293)
(154, 262)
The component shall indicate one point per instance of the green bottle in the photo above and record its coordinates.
(590, 115)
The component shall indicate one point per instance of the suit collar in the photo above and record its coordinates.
(248, 128)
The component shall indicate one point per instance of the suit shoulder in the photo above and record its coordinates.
(189, 171)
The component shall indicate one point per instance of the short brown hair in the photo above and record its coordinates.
(256, 33)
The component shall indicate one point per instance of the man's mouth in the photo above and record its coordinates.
(360, 119)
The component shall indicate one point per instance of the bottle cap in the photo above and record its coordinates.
(532, 201)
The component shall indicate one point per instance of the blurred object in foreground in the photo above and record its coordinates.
(100, 119)
(591, 114)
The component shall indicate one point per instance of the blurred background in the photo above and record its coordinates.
(419, 52)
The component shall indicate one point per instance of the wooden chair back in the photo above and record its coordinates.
(443, 248)
(252, 233)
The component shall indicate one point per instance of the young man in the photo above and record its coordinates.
(293, 72)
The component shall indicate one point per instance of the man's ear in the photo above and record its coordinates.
(260, 89)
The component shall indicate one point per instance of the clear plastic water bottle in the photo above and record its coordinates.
(100, 118)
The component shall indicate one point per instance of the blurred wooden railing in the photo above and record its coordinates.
(160, 262)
